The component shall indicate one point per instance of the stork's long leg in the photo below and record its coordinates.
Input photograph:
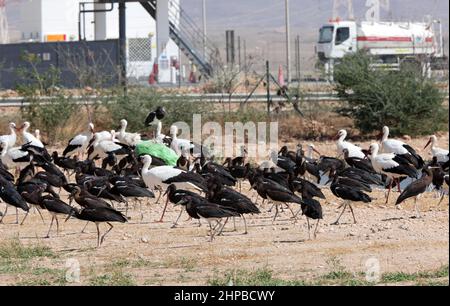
(353, 214)
(98, 235)
(309, 233)
(416, 207)
(315, 230)
(276, 213)
(159, 197)
(176, 221)
(40, 214)
(104, 235)
(51, 223)
(398, 185)
(57, 226)
(343, 210)
(245, 225)
(17, 216)
(26, 215)
(165, 207)
(4, 214)
(223, 226)
(440, 201)
(389, 192)
(85, 227)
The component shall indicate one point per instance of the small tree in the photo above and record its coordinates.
(405, 100)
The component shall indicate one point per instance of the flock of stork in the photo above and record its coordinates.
(203, 187)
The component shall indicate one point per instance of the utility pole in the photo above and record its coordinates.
(239, 52)
(122, 44)
(204, 28)
(288, 42)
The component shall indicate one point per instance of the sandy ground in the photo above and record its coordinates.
(183, 255)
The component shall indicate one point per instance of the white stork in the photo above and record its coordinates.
(179, 144)
(392, 165)
(102, 148)
(14, 158)
(400, 148)
(440, 154)
(30, 138)
(79, 143)
(11, 137)
(130, 139)
(353, 150)
(161, 177)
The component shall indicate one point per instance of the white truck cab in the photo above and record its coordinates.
(337, 39)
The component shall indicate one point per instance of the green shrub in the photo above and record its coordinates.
(404, 100)
(137, 103)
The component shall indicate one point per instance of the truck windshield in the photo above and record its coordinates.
(326, 34)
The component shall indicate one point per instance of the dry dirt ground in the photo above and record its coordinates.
(150, 253)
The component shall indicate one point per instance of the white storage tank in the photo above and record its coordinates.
(382, 38)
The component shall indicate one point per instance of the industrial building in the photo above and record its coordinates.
(151, 36)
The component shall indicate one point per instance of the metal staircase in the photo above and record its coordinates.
(188, 36)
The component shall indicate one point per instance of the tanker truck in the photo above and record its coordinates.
(390, 43)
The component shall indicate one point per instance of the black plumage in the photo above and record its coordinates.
(228, 197)
(11, 196)
(99, 215)
(201, 208)
(155, 116)
(56, 207)
(416, 188)
(349, 194)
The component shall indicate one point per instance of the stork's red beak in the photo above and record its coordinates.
(337, 136)
(380, 136)
(315, 150)
(428, 143)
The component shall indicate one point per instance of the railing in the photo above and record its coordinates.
(310, 97)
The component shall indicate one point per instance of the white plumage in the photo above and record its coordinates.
(382, 162)
(440, 154)
(159, 137)
(156, 176)
(102, 146)
(353, 150)
(79, 143)
(131, 139)
(30, 138)
(179, 144)
(10, 138)
(10, 156)
(392, 145)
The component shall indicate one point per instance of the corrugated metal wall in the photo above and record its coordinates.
(71, 58)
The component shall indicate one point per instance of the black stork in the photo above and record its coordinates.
(227, 197)
(277, 193)
(416, 188)
(11, 196)
(175, 195)
(349, 193)
(198, 208)
(99, 215)
(55, 207)
(155, 116)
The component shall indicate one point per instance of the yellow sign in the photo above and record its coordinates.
(55, 37)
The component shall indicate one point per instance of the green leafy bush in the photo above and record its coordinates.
(404, 100)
